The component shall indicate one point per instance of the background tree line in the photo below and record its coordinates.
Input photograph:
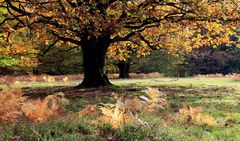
(63, 60)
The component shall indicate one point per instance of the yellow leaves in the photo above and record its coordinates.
(24, 52)
(121, 50)
(5, 34)
(212, 34)
(238, 45)
(193, 115)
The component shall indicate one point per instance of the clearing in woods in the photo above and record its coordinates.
(217, 98)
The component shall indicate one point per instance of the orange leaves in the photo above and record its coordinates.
(11, 100)
(121, 50)
(170, 25)
(89, 110)
(16, 45)
(212, 34)
(41, 110)
(47, 108)
(193, 115)
(14, 105)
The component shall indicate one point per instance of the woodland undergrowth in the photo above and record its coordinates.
(125, 111)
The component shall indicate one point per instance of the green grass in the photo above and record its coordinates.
(218, 97)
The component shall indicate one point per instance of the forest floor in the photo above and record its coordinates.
(198, 108)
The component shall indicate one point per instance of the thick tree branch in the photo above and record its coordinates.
(65, 39)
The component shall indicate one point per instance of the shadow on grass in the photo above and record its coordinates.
(74, 92)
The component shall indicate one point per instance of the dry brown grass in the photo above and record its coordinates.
(14, 105)
(154, 75)
(125, 111)
(116, 115)
(192, 115)
(156, 100)
(41, 110)
(11, 101)
(219, 75)
(89, 110)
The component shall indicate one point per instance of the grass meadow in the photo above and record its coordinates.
(168, 109)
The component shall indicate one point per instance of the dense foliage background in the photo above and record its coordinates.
(64, 60)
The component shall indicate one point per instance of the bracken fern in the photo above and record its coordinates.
(192, 115)
(11, 100)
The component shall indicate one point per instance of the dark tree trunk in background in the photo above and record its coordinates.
(124, 67)
(94, 51)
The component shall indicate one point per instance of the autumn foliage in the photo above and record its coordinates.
(120, 27)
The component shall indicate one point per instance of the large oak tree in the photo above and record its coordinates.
(95, 25)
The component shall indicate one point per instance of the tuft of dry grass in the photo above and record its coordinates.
(14, 105)
(154, 75)
(126, 111)
(116, 114)
(41, 110)
(192, 115)
(156, 100)
(11, 100)
(89, 110)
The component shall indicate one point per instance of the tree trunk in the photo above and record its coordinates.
(94, 51)
(124, 67)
